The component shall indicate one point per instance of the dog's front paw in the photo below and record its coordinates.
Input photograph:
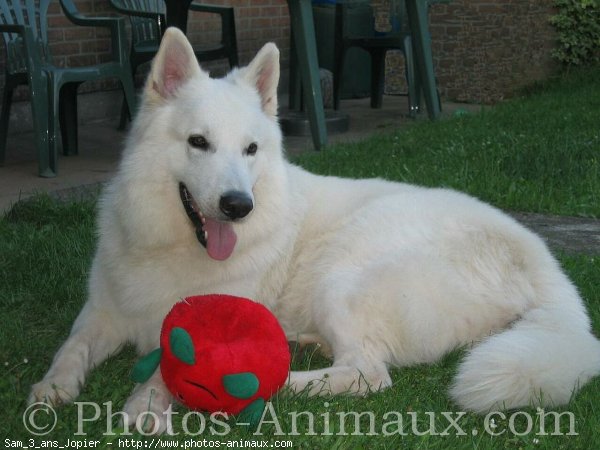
(145, 410)
(55, 391)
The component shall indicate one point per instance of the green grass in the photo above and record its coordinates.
(536, 153)
(540, 153)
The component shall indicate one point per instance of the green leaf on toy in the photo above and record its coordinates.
(182, 345)
(146, 366)
(252, 413)
(241, 385)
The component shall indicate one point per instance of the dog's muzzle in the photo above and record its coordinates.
(218, 237)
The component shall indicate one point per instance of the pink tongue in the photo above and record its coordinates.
(221, 239)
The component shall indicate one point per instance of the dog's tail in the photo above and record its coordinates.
(543, 359)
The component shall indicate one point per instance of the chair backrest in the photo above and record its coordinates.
(143, 29)
(29, 13)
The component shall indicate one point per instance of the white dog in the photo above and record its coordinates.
(383, 274)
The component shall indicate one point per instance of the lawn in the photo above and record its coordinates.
(537, 153)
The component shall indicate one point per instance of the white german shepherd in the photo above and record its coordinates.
(382, 274)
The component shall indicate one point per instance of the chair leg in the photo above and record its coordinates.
(129, 100)
(43, 112)
(232, 58)
(304, 35)
(54, 137)
(68, 118)
(126, 114)
(230, 39)
(417, 16)
(414, 100)
(5, 118)
(377, 77)
(232, 51)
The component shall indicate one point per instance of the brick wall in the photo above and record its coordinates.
(483, 50)
(487, 50)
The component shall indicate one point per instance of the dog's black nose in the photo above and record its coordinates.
(235, 204)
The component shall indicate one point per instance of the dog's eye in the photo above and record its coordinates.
(252, 148)
(198, 141)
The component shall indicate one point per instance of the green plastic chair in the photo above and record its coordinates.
(53, 89)
(147, 18)
(377, 45)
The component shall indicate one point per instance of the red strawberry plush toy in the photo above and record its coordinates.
(220, 353)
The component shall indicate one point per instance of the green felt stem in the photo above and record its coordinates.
(146, 366)
(252, 413)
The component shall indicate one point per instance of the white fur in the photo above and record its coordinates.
(381, 273)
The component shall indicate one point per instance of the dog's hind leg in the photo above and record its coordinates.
(95, 335)
(358, 367)
(353, 320)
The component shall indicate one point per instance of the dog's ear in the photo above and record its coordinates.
(173, 65)
(263, 73)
